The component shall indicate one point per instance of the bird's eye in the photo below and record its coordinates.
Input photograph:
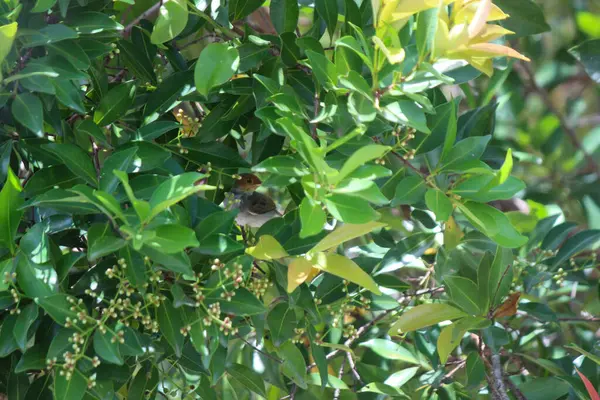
(249, 180)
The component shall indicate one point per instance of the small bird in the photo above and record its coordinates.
(255, 208)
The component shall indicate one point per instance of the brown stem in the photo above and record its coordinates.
(146, 14)
(514, 389)
(353, 368)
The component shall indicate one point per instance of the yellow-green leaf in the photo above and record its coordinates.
(425, 315)
(267, 248)
(298, 271)
(10, 214)
(7, 37)
(345, 268)
(452, 234)
(448, 341)
(502, 174)
(171, 21)
(344, 233)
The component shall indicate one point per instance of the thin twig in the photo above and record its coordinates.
(337, 392)
(409, 165)
(146, 14)
(529, 75)
(353, 368)
(313, 126)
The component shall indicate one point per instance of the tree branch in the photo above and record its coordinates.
(146, 14)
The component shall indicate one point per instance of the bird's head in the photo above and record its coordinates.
(247, 183)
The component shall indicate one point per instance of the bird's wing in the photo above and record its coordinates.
(258, 204)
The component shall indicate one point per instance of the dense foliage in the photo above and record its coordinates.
(438, 193)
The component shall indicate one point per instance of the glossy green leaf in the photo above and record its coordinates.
(58, 307)
(282, 321)
(328, 11)
(284, 15)
(170, 322)
(576, 244)
(89, 128)
(72, 389)
(493, 223)
(114, 104)
(282, 165)
(7, 37)
(106, 345)
(145, 382)
(410, 190)
(92, 22)
(10, 212)
(76, 159)
(247, 378)
(345, 268)
(390, 350)
(424, 315)
(27, 110)
(439, 203)
(323, 69)
(172, 238)
(215, 66)
(172, 19)
(24, 321)
(312, 218)
(463, 292)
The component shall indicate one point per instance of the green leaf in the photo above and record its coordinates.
(464, 293)
(390, 350)
(69, 95)
(383, 389)
(104, 246)
(215, 66)
(526, 17)
(24, 321)
(92, 22)
(239, 9)
(243, 304)
(410, 190)
(267, 248)
(179, 262)
(156, 129)
(106, 345)
(172, 238)
(170, 322)
(328, 11)
(468, 149)
(588, 53)
(407, 113)
(8, 344)
(495, 277)
(294, 366)
(423, 316)
(28, 111)
(493, 223)
(58, 307)
(359, 158)
(72, 52)
(10, 212)
(35, 280)
(503, 173)
(539, 310)
(345, 233)
(76, 159)
(282, 321)
(323, 69)
(215, 223)
(136, 271)
(173, 190)
(115, 104)
(348, 209)
(284, 15)
(168, 95)
(120, 161)
(575, 244)
(137, 60)
(144, 383)
(439, 203)
(248, 378)
(171, 21)
(473, 188)
(345, 268)
(89, 128)
(72, 389)
(312, 217)
(549, 388)
(427, 23)
(399, 378)
(589, 355)
(33, 359)
(282, 165)
(7, 37)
